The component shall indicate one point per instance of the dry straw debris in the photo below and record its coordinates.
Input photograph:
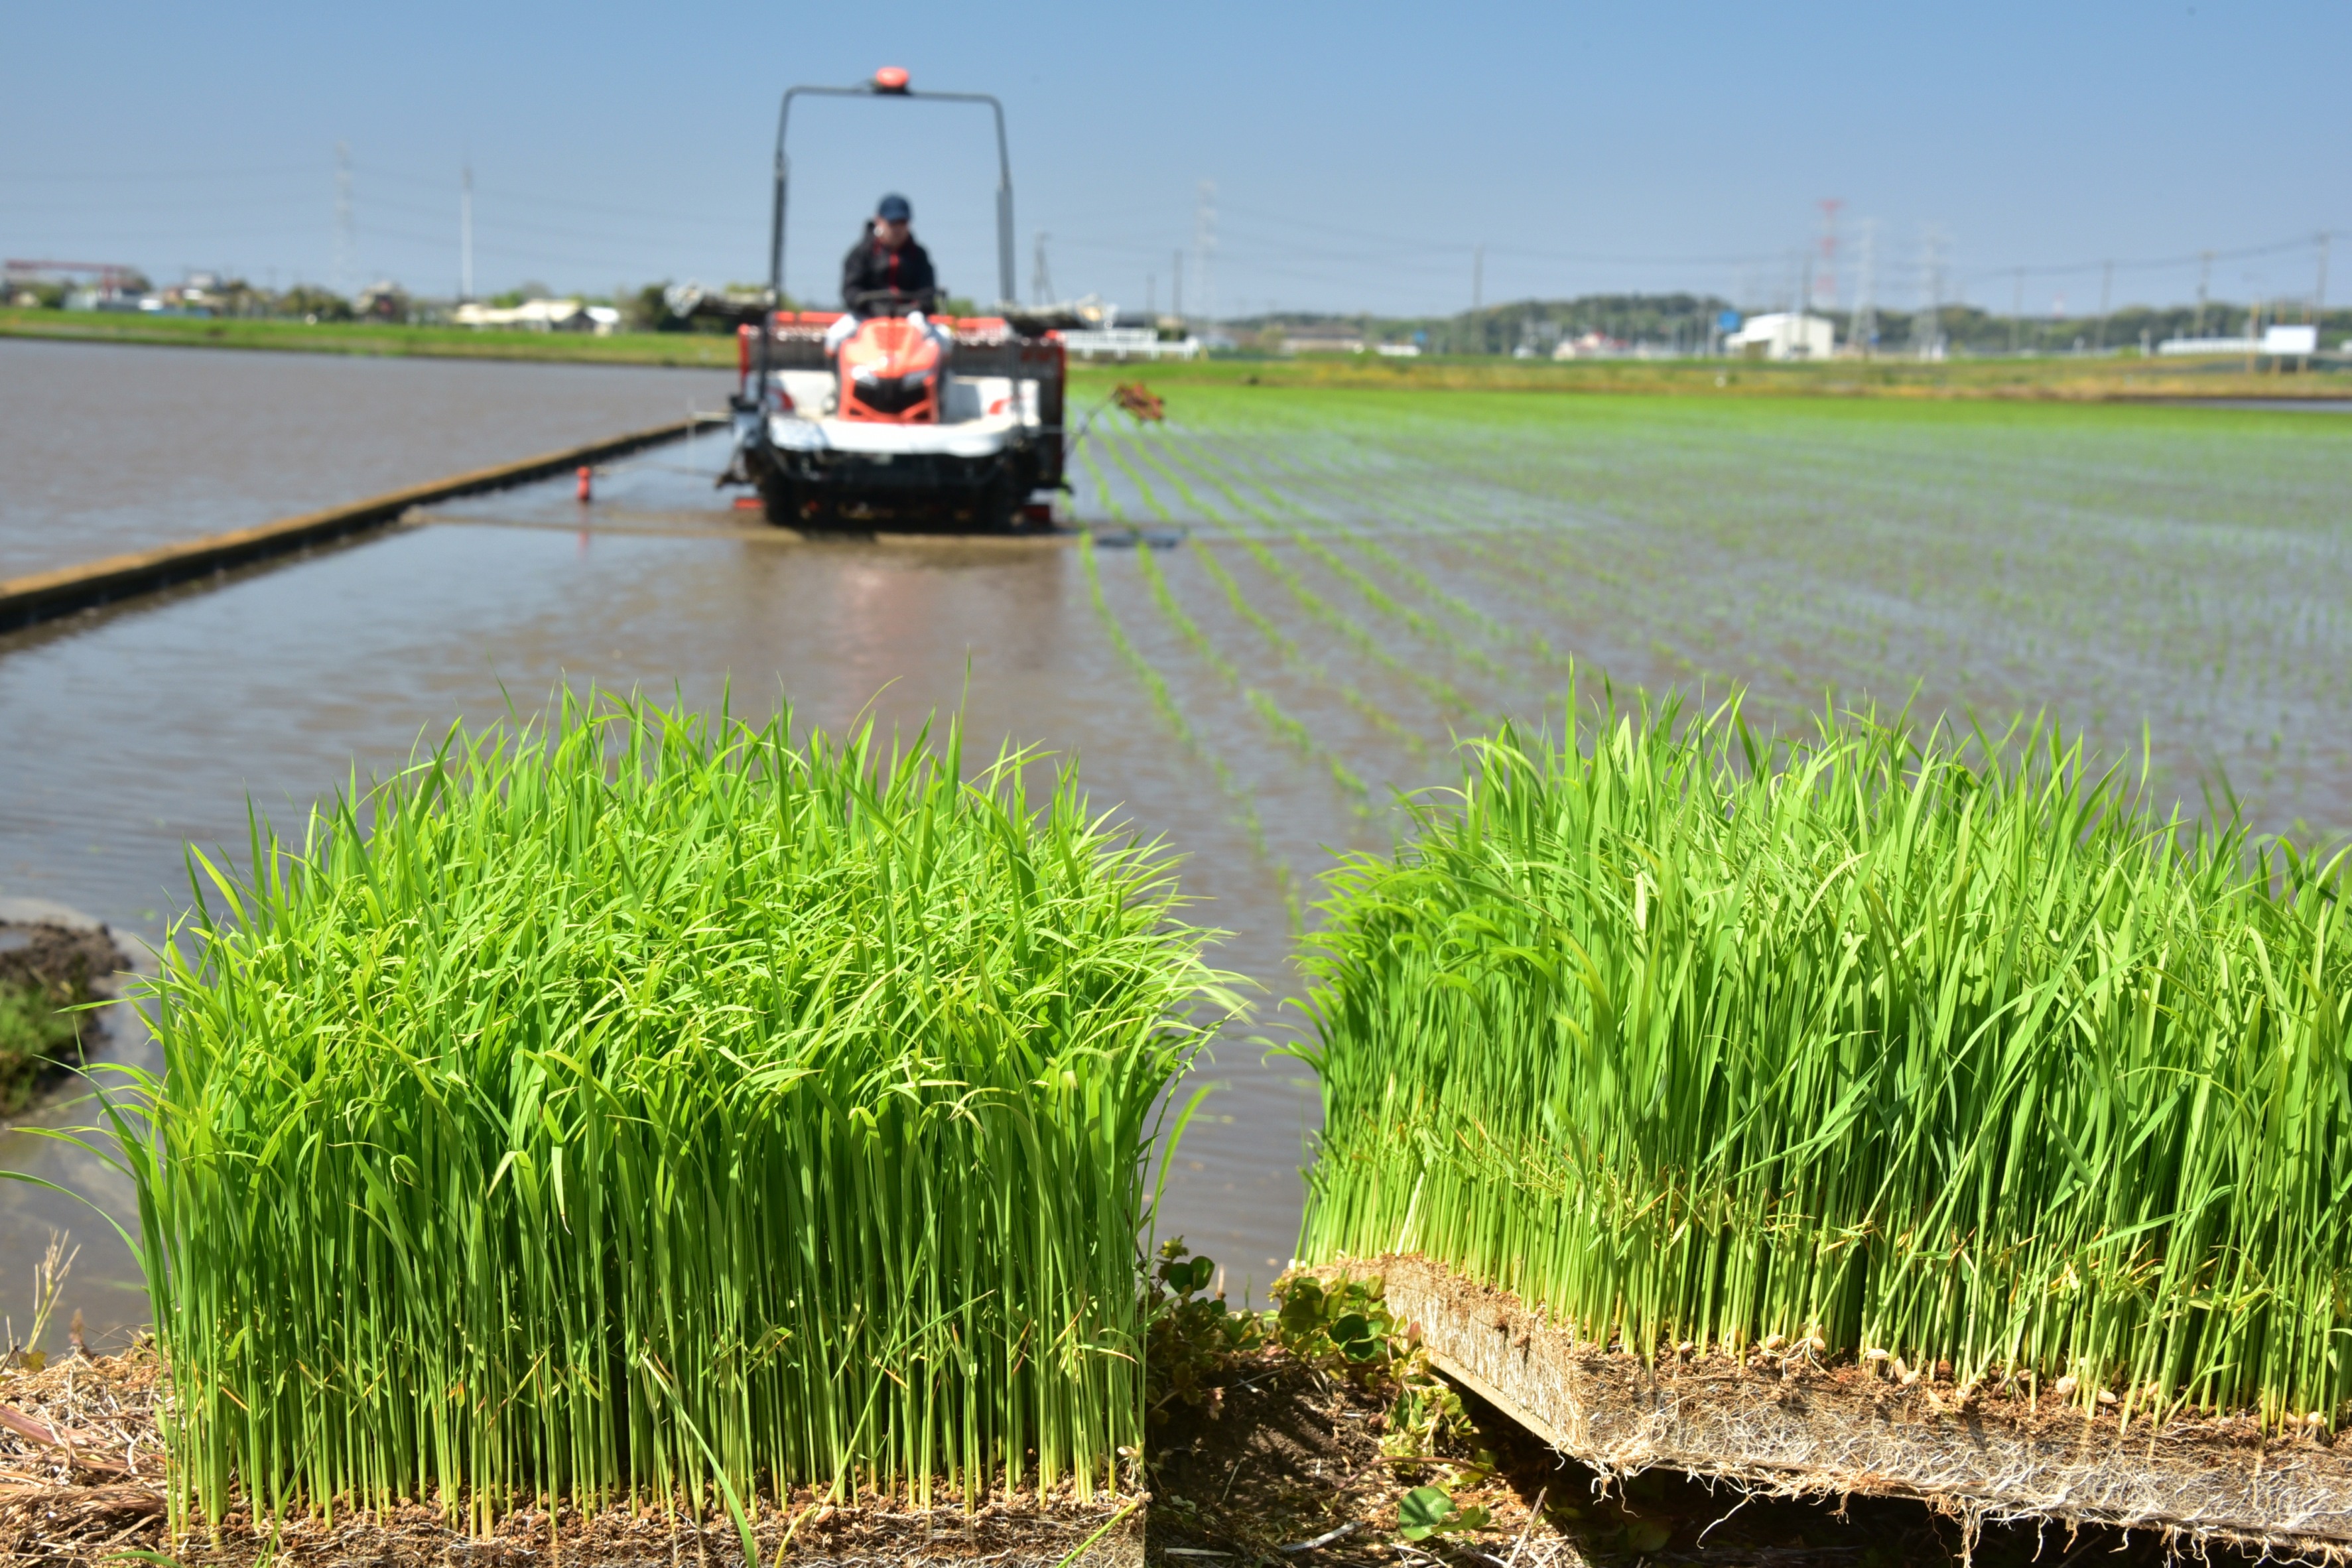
(81, 1483)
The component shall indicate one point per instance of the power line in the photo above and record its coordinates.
(465, 236)
(1204, 240)
(345, 252)
(1041, 282)
(2146, 264)
(1862, 327)
(152, 176)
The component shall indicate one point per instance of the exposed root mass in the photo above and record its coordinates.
(1784, 1426)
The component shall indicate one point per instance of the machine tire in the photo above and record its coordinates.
(1002, 511)
(781, 500)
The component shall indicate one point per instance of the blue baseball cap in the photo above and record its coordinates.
(894, 210)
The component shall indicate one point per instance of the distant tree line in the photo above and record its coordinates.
(1682, 323)
(644, 310)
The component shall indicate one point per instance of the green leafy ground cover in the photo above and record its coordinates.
(625, 1108)
(34, 1034)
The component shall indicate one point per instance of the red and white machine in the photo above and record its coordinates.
(905, 420)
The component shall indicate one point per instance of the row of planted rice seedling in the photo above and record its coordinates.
(1919, 1049)
(1285, 725)
(630, 1107)
(1362, 637)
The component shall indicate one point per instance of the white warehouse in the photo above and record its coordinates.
(1781, 335)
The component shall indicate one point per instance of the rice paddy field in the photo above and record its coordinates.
(1339, 583)
(1367, 575)
(1282, 612)
(1949, 981)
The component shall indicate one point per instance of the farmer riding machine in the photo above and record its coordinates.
(900, 418)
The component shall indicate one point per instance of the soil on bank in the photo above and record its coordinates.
(1293, 1456)
(81, 1482)
(1287, 1455)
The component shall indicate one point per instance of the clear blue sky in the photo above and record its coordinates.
(1359, 154)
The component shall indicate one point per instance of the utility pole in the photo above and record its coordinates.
(340, 282)
(1176, 288)
(2319, 289)
(1930, 342)
(2204, 277)
(1204, 239)
(1862, 326)
(1478, 276)
(465, 237)
(1151, 297)
(1827, 281)
(2016, 312)
(1041, 283)
(2106, 293)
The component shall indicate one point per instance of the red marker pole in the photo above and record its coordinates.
(584, 474)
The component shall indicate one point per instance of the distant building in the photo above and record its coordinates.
(2283, 342)
(1588, 345)
(107, 280)
(384, 301)
(95, 298)
(539, 316)
(1127, 343)
(1399, 351)
(170, 303)
(1783, 336)
(1322, 340)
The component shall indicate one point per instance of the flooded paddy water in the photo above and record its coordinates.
(106, 449)
(1345, 582)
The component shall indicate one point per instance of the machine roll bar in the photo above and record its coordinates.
(887, 82)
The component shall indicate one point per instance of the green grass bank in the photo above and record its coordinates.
(2063, 378)
(377, 339)
(1920, 1051)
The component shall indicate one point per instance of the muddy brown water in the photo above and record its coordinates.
(109, 447)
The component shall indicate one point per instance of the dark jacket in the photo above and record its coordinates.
(870, 264)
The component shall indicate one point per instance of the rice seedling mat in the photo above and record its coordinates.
(1786, 1425)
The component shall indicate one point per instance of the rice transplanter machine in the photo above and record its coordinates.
(912, 420)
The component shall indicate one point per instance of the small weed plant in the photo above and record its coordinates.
(1341, 1328)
